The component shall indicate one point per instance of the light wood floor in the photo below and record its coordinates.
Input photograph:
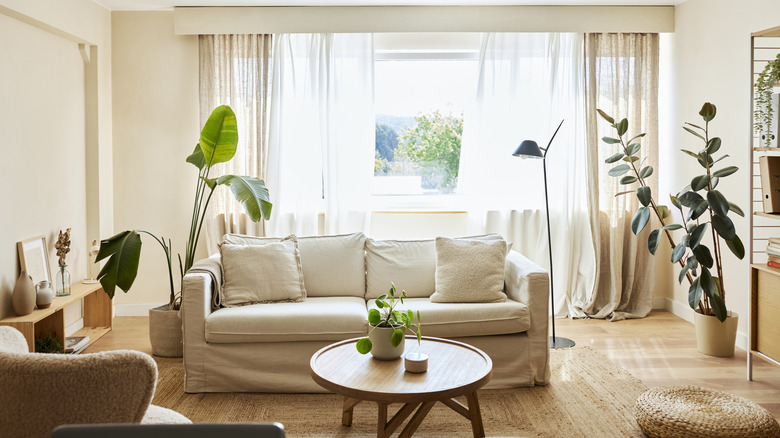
(659, 350)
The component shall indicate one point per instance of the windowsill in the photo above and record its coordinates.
(418, 203)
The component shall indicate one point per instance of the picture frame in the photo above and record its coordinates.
(34, 258)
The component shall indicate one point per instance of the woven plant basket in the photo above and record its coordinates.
(692, 411)
(165, 332)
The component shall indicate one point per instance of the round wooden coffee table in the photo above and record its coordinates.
(454, 369)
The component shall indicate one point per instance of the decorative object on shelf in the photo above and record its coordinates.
(62, 280)
(764, 111)
(34, 258)
(93, 251)
(217, 144)
(385, 338)
(48, 344)
(76, 344)
(769, 167)
(23, 298)
(44, 294)
(530, 149)
(773, 252)
(707, 292)
(416, 362)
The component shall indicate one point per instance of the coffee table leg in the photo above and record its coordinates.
(417, 419)
(349, 406)
(475, 415)
(381, 424)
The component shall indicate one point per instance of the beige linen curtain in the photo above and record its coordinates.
(234, 70)
(622, 80)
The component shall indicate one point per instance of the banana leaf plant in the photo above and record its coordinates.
(217, 144)
(702, 207)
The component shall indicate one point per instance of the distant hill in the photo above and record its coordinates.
(396, 122)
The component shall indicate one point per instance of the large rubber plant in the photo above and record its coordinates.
(217, 144)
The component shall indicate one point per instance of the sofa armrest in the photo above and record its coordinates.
(199, 287)
(529, 283)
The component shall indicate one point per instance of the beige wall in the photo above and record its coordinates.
(711, 48)
(156, 126)
(43, 118)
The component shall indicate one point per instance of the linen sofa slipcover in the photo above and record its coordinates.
(267, 347)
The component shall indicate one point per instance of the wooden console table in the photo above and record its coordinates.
(98, 316)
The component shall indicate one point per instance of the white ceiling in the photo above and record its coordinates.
(150, 5)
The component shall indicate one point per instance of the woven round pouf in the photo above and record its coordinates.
(693, 411)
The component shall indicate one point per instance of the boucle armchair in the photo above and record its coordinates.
(43, 391)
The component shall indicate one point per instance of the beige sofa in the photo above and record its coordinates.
(267, 347)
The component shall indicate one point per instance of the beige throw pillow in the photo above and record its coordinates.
(410, 264)
(261, 273)
(469, 271)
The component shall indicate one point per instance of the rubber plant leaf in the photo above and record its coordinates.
(640, 219)
(653, 240)
(697, 234)
(724, 227)
(718, 202)
(251, 193)
(219, 137)
(606, 117)
(123, 251)
(736, 247)
(644, 194)
(694, 294)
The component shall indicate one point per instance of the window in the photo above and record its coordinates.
(422, 89)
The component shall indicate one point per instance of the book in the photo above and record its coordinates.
(75, 344)
(773, 258)
(775, 240)
(772, 264)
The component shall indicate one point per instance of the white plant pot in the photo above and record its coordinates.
(165, 332)
(381, 348)
(715, 338)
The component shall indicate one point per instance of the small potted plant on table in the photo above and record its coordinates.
(388, 325)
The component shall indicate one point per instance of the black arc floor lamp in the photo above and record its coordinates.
(529, 149)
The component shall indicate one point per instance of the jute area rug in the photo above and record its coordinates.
(588, 396)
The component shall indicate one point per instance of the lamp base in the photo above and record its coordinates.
(559, 342)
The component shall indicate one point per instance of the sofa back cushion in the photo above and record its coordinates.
(409, 264)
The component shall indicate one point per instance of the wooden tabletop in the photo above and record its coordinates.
(454, 369)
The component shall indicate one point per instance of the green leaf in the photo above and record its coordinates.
(251, 193)
(697, 209)
(672, 227)
(380, 303)
(714, 182)
(694, 155)
(622, 127)
(633, 148)
(210, 182)
(219, 137)
(653, 240)
(606, 117)
(615, 158)
(736, 247)
(724, 226)
(725, 156)
(123, 251)
(196, 158)
(637, 136)
(640, 219)
(694, 294)
(713, 145)
(696, 235)
(623, 193)
(397, 337)
(363, 345)
(693, 132)
(695, 126)
(618, 170)
(664, 211)
(382, 297)
(683, 271)
(726, 171)
(628, 179)
(719, 307)
(705, 280)
(646, 171)
(678, 252)
(643, 194)
(735, 208)
(689, 198)
(418, 316)
(700, 182)
(718, 202)
(708, 111)
(703, 255)
(631, 159)
(374, 316)
(610, 140)
(675, 201)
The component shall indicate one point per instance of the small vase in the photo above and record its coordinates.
(44, 294)
(23, 298)
(381, 347)
(62, 281)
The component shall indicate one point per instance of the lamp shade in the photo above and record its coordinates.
(528, 149)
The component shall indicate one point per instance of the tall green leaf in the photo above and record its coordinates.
(724, 227)
(640, 219)
(653, 240)
(124, 253)
(644, 194)
(197, 158)
(718, 202)
(703, 255)
(736, 247)
(694, 294)
(219, 137)
(719, 306)
(696, 235)
(251, 193)
(726, 171)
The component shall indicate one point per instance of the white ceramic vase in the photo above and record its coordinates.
(44, 293)
(381, 348)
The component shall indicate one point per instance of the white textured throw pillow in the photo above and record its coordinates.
(469, 271)
(261, 273)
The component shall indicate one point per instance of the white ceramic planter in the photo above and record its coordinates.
(165, 332)
(715, 338)
(381, 348)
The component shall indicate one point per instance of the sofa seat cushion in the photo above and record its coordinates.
(314, 319)
(449, 320)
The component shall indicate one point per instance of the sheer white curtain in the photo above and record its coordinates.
(234, 71)
(528, 83)
(321, 133)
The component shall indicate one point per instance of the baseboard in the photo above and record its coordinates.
(659, 303)
(133, 309)
(685, 312)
